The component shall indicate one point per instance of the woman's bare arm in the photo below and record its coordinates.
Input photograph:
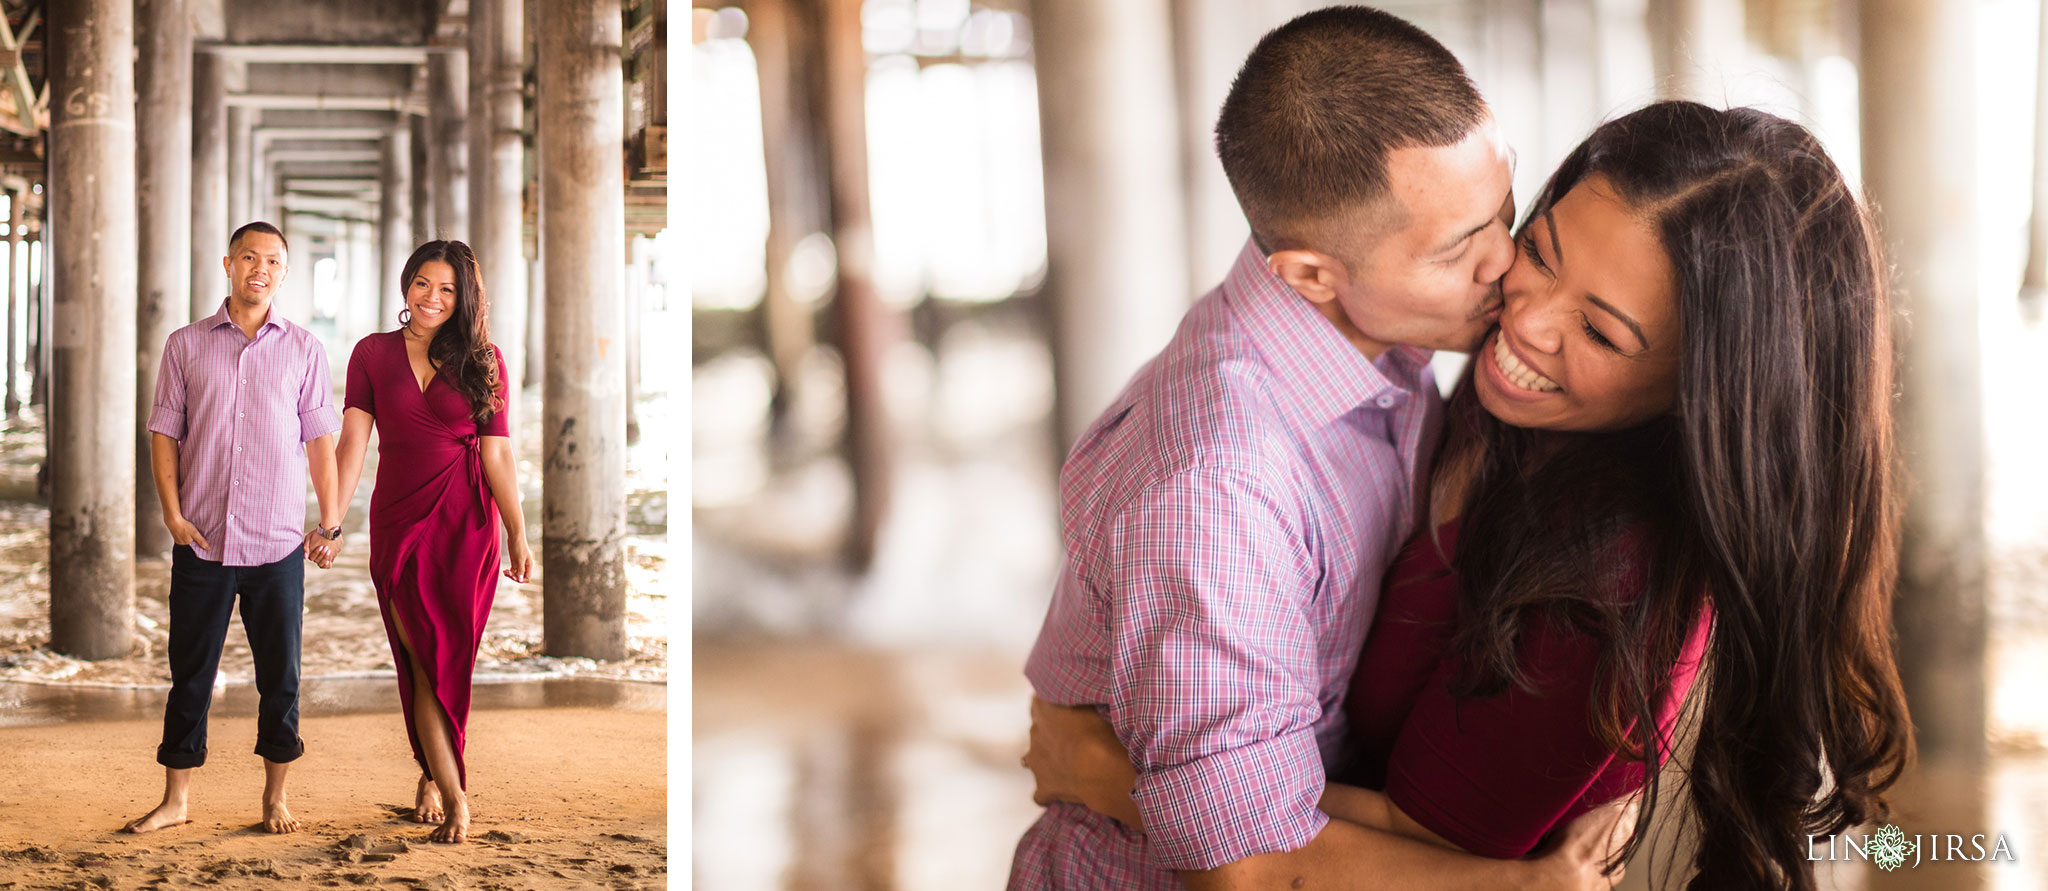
(501, 471)
(349, 452)
(1375, 810)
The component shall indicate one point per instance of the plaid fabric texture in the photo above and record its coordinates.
(242, 411)
(1227, 522)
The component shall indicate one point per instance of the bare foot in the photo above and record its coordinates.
(455, 829)
(277, 818)
(426, 803)
(165, 816)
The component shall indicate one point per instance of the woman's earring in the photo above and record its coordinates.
(404, 317)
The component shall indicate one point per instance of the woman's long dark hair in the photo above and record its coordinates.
(461, 347)
(1767, 495)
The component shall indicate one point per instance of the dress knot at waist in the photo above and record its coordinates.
(470, 447)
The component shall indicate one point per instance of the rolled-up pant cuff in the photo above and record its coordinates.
(180, 760)
(281, 754)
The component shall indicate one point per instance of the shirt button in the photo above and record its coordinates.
(1384, 401)
(235, 483)
(240, 415)
(238, 448)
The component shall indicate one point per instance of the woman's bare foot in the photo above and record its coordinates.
(166, 815)
(426, 803)
(277, 818)
(455, 829)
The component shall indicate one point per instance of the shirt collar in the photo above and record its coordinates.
(221, 317)
(1322, 375)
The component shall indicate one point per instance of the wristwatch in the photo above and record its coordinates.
(333, 534)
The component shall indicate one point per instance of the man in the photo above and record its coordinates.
(1228, 519)
(242, 416)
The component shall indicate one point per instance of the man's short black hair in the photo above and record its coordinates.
(235, 240)
(1319, 104)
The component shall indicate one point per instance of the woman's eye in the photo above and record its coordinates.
(1595, 334)
(1528, 242)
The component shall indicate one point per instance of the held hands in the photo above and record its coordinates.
(521, 554)
(184, 533)
(321, 550)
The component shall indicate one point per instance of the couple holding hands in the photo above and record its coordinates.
(243, 417)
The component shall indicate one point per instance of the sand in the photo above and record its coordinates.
(544, 817)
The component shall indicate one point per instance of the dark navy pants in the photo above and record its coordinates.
(203, 597)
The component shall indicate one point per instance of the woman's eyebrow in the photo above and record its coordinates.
(1621, 317)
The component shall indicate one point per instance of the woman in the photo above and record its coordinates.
(435, 391)
(1675, 445)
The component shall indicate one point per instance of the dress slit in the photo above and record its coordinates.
(408, 656)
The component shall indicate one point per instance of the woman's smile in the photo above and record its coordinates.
(1517, 377)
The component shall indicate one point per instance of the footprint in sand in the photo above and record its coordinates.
(32, 854)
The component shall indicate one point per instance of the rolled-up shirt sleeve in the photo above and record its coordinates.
(167, 411)
(1212, 686)
(316, 398)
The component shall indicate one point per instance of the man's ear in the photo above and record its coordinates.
(1314, 275)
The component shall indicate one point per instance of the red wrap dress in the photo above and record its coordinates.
(434, 529)
(1492, 775)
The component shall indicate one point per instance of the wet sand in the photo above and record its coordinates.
(70, 787)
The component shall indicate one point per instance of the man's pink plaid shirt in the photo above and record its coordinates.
(1227, 522)
(242, 411)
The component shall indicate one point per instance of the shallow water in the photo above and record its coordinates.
(35, 704)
